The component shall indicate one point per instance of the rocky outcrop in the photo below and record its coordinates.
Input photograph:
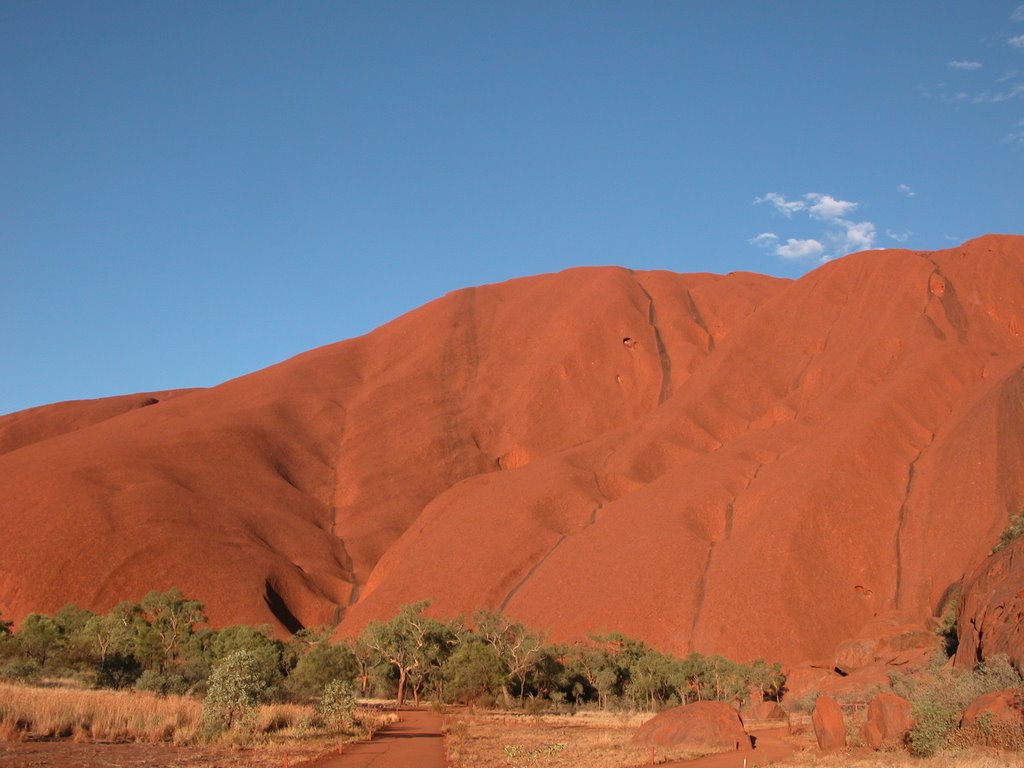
(705, 725)
(891, 640)
(779, 461)
(990, 620)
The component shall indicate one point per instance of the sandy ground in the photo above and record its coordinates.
(415, 741)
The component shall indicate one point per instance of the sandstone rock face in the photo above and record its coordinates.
(712, 725)
(888, 722)
(890, 640)
(990, 619)
(1003, 707)
(829, 726)
(779, 461)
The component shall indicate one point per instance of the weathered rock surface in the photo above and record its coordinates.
(888, 722)
(710, 725)
(892, 640)
(778, 461)
(1003, 707)
(990, 619)
(829, 726)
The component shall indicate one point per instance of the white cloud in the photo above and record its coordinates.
(899, 237)
(906, 190)
(964, 64)
(841, 233)
(990, 97)
(1017, 42)
(800, 249)
(1018, 13)
(854, 236)
(764, 240)
(827, 208)
(786, 207)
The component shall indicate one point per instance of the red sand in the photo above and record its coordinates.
(736, 464)
(414, 742)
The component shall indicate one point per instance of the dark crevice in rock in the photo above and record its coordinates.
(529, 573)
(280, 609)
(663, 356)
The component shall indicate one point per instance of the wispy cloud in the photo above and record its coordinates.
(1015, 137)
(842, 234)
(765, 239)
(964, 64)
(1018, 13)
(850, 236)
(1016, 91)
(800, 250)
(786, 207)
(899, 237)
(1017, 42)
(826, 207)
(906, 190)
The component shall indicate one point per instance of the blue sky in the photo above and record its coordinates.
(193, 191)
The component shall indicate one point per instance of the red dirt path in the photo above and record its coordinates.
(415, 741)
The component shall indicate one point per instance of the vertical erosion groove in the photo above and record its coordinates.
(901, 521)
(666, 361)
(529, 573)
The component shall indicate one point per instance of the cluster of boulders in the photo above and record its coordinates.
(889, 718)
(887, 725)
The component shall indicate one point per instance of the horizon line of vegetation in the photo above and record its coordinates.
(160, 644)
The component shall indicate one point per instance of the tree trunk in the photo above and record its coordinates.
(400, 696)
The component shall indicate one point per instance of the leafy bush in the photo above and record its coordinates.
(940, 698)
(236, 689)
(337, 705)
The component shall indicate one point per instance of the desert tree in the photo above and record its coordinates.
(409, 643)
(171, 618)
(518, 647)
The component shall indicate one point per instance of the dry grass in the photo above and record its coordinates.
(594, 740)
(977, 758)
(97, 715)
(135, 716)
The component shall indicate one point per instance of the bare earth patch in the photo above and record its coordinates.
(64, 753)
(595, 740)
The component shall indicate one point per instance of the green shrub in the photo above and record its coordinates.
(337, 705)
(940, 698)
(236, 688)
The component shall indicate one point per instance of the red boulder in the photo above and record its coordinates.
(704, 724)
(1004, 707)
(888, 721)
(829, 727)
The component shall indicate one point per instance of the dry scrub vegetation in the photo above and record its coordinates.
(138, 716)
(591, 739)
(950, 759)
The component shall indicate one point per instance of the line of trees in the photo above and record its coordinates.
(161, 644)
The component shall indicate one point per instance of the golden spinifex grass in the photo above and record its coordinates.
(97, 715)
(147, 717)
(594, 740)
